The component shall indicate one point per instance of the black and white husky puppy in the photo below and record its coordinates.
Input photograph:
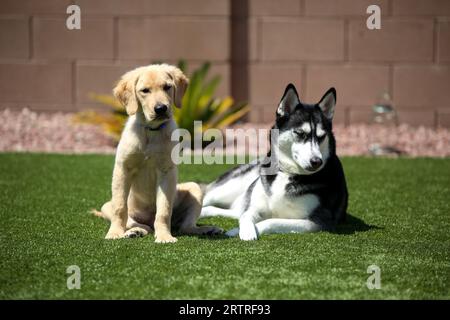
(300, 185)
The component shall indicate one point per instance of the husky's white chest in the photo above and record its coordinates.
(288, 207)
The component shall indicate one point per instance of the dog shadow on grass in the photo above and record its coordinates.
(352, 225)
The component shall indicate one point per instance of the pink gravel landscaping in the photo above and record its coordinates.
(28, 131)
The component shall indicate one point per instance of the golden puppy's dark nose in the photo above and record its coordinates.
(161, 109)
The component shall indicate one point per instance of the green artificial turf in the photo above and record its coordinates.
(399, 220)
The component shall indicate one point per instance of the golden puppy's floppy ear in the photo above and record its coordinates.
(124, 91)
(181, 83)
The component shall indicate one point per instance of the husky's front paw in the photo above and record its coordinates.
(247, 232)
(232, 233)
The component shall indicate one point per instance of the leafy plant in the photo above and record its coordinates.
(199, 103)
(112, 122)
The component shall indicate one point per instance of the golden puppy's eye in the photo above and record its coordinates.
(145, 90)
(167, 87)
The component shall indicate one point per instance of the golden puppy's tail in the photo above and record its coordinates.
(97, 213)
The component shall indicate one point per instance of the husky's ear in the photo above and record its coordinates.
(328, 102)
(124, 91)
(289, 101)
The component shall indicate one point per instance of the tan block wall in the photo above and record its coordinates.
(258, 46)
(317, 44)
(44, 66)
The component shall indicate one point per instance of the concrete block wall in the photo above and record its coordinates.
(45, 66)
(258, 46)
(322, 43)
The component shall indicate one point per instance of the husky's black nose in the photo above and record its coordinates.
(315, 162)
(160, 109)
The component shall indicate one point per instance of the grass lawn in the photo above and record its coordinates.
(400, 221)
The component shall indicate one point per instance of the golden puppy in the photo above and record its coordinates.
(144, 183)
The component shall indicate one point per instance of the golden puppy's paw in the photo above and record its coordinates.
(165, 238)
(134, 233)
(115, 233)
